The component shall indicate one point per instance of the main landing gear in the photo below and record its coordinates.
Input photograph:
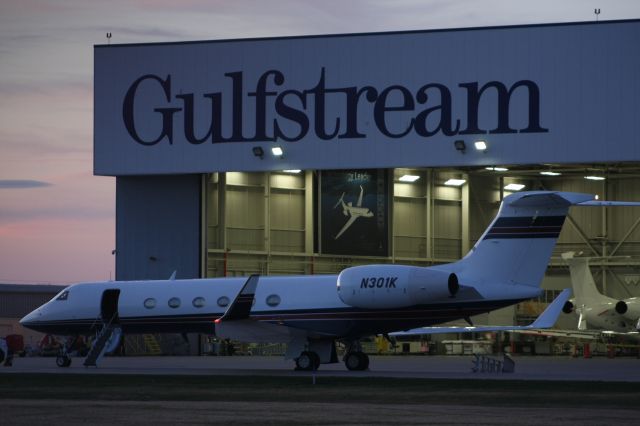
(354, 359)
(308, 361)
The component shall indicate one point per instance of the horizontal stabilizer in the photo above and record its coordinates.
(609, 203)
(241, 306)
(546, 320)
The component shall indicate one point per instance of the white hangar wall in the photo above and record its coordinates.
(562, 93)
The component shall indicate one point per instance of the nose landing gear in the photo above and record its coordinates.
(64, 353)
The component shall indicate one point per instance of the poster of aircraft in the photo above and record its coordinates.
(354, 212)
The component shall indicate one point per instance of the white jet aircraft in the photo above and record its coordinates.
(311, 313)
(354, 212)
(594, 309)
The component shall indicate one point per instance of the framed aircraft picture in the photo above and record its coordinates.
(354, 212)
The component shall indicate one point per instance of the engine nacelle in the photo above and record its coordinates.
(568, 307)
(633, 308)
(394, 286)
(621, 307)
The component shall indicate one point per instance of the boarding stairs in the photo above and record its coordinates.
(105, 339)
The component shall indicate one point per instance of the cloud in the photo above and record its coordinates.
(22, 184)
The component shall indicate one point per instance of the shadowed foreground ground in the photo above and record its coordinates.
(118, 399)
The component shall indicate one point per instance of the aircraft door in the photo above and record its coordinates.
(109, 305)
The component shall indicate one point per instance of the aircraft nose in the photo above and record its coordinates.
(29, 319)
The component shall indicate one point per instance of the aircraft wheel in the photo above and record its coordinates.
(307, 361)
(63, 361)
(356, 361)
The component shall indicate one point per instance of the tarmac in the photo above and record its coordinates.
(599, 369)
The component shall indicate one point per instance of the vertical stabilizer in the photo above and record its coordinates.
(584, 287)
(517, 245)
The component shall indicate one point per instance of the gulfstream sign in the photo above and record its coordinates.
(294, 113)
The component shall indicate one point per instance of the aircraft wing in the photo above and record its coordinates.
(546, 320)
(236, 322)
(578, 334)
(346, 226)
(241, 306)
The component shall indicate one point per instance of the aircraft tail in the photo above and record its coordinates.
(517, 245)
(584, 287)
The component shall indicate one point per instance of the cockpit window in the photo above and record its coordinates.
(63, 296)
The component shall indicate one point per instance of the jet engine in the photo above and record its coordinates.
(394, 286)
(568, 307)
(630, 309)
(621, 307)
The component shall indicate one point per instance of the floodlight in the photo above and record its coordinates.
(480, 145)
(258, 151)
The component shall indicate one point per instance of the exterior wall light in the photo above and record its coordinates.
(258, 151)
(277, 151)
(460, 145)
(480, 145)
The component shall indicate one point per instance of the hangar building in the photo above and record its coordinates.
(382, 121)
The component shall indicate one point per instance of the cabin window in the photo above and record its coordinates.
(63, 296)
(150, 303)
(198, 302)
(273, 300)
(223, 301)
(174, 302)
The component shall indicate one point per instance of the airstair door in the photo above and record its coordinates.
(109, 305)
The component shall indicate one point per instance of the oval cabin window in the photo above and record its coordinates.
(273, 300)
(174, 302)
(198, 302)
(223, 301)
(150, 303)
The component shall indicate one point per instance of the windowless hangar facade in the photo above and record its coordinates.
(188, 129)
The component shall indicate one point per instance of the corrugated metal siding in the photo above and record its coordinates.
(157, 217)
(17, 305)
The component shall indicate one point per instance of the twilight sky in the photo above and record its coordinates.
(57, 220)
